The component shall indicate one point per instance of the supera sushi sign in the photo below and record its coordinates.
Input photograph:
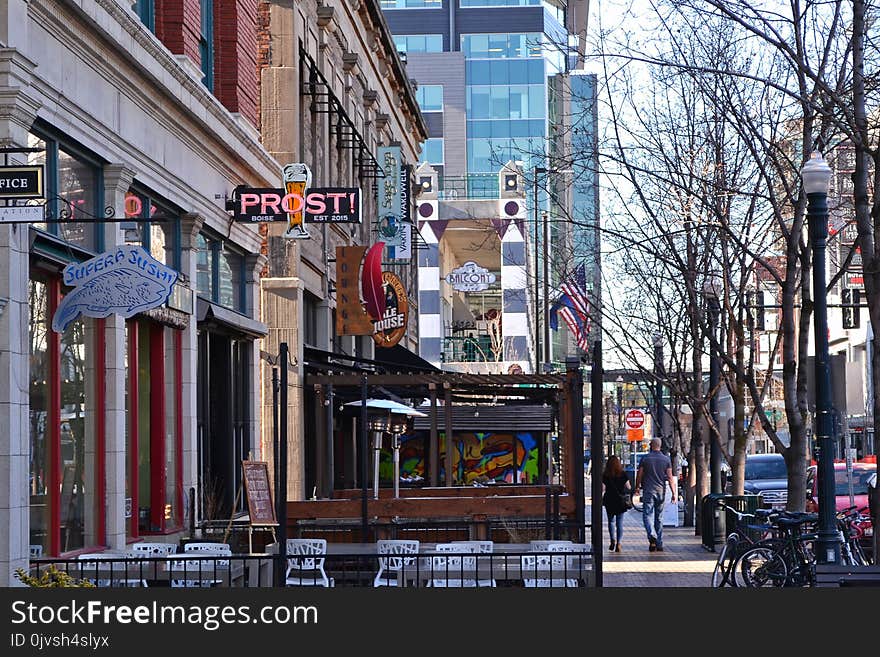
(124, 281)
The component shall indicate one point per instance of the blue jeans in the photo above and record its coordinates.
(615, 522)
(652, 505)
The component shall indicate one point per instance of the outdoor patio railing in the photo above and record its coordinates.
(519, 568)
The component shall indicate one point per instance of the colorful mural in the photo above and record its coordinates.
(479, 457)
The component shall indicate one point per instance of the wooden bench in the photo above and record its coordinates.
(846, 576)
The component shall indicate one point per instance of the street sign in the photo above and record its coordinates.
(635, 418)
(635, 435)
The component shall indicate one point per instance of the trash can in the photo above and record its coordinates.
(718, 520)
(712, 521)
(743, 504)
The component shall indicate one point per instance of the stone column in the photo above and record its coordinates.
(253, 266)
(17, 113)
(117, 180)
(190, 225)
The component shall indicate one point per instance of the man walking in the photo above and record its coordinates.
(655, 469)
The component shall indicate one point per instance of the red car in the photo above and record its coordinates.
(861, 473)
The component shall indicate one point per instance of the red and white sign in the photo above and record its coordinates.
(635, 419)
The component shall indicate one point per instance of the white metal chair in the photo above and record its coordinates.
(561, 564)
(151, 549)
(195, 551)
(390, 566)
(483, 547)
(91, 562)
(543, 545)
(455, 570)
(307, 569)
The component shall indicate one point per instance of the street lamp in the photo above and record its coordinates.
(538, 170)
(816, 175)
(658, 390)
(544, 308)
(619, 432)
(712, 293)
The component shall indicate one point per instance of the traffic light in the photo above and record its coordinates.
(852, 316)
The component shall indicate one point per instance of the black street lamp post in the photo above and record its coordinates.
(714, 374)
(537, 171)
(658, 390)
(816, 175)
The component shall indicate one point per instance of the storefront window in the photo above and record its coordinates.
(74, 447)
(66, 431)
(154, 432)
(39, 415)
(74, 190)
(230, 276)
(220, 273)
(204, 267)
(158, 236)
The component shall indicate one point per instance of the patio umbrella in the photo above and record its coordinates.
(393, 406)
(398, 409)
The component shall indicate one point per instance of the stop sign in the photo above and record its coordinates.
(635, 418)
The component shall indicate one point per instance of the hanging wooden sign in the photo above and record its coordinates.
(392, 326)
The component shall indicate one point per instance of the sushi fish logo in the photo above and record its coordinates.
(125, 281)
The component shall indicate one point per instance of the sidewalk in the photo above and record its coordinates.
(683, 563)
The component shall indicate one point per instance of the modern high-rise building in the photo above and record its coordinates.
(511, 126)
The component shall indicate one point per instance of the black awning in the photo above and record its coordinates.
(491, 418)
(404, 359)
(228, 321)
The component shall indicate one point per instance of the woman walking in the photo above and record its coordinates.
(615, 485)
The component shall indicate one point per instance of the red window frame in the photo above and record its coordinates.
(53, 287)
(157, 410)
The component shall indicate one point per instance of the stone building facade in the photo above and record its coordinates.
(146, 113)
(333, 92)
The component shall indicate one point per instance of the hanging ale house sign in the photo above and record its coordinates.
(392, 326)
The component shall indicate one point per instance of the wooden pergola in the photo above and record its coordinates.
(442, 499)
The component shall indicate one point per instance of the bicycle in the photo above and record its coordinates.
(784, 561)
(738, 541)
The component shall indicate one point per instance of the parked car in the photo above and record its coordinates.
(861, 475)
(767, 475)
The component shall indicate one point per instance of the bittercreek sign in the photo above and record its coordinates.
(21, 182)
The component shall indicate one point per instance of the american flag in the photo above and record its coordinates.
(572, 305)
(575, 288)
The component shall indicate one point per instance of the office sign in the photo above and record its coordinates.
(124, 281)
(392, 325)
(470, 277)
(21, 182)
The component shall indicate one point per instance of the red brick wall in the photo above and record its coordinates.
(264, 50)
(178, 26)
(236, 84)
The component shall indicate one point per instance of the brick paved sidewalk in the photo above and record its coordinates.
(683, 562)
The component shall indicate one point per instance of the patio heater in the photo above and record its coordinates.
(379, 424)
(397, 427)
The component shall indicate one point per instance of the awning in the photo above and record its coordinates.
(404, 359)
(495, 419)
(229, 321)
